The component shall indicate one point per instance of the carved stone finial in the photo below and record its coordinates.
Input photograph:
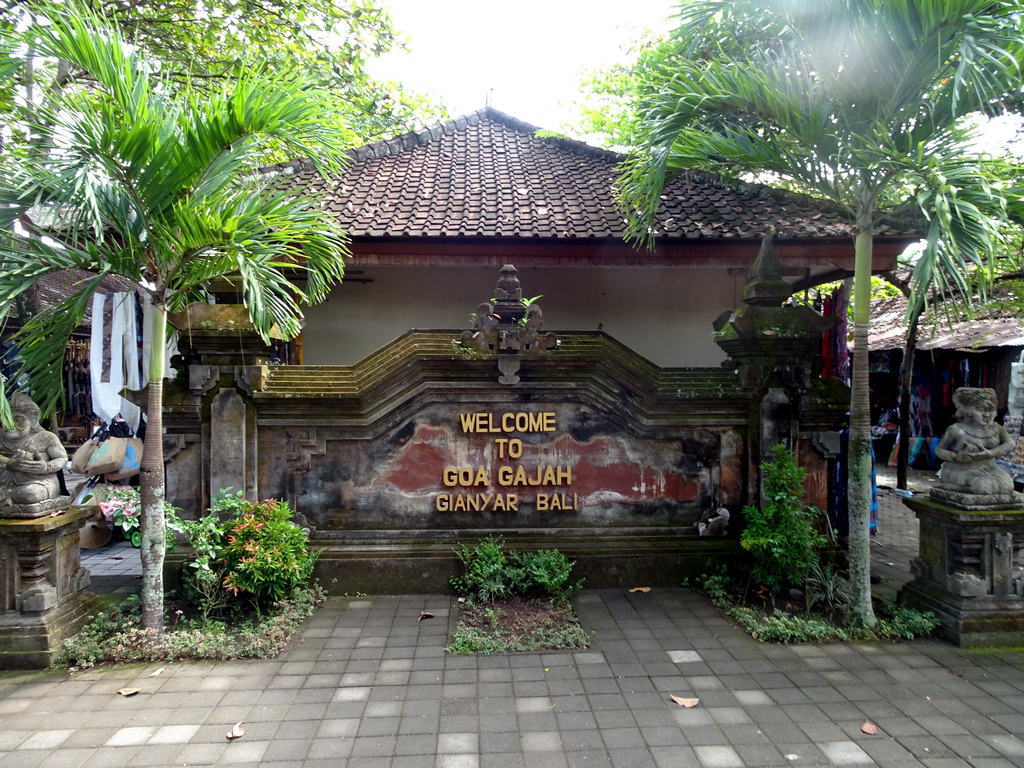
(509, 327)
(508, 288)
(765, 286)
(766, 333)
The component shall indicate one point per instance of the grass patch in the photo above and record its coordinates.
(514, 601)
(517, 624)
(780, 625)
(116, 635)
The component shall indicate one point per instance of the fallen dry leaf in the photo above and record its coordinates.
(237, 731)
(688, 703)
(645, 590)
(126, 692)
(425, 615)
(869, 727)
(158, 672)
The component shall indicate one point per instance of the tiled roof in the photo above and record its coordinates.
(487, 174)
(989, 326)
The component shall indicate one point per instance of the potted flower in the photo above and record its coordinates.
(120, 505)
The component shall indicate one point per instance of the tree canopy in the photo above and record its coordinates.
(202, 44)
(858, 101)
(133, 177)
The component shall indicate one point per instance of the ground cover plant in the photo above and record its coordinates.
(514, 601)
(244, 593)
(795, 590)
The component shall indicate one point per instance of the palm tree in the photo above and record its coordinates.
(131, 178)
(862, 102)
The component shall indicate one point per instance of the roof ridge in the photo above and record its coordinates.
(423, 136)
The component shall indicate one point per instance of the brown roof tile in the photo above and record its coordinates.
(488, 174)
(993, 323)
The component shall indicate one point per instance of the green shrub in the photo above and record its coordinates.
(545, 572)
(264, 553)
(898, 621)
(488, 576)
(782, 627)
(491, 574)
(782, 534)
(827, 586)
(116, 635)
(246, 547)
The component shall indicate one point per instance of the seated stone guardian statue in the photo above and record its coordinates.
(30, 457)
(969, 477)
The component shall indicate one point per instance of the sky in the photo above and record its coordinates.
(530, 54)
(526, 59)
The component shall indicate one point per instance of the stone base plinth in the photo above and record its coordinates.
(411, 562)
(968, 572)
(969, 621)
(41, 587)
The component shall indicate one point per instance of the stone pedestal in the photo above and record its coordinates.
(222, 334)
(41, 584)
(969, 573)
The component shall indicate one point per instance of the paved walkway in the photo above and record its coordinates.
(367, 685)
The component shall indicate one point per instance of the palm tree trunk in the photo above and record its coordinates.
(153, 486)
(859, 486)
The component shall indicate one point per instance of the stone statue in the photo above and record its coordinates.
(30, 457)
(713, 524)
(969, 477)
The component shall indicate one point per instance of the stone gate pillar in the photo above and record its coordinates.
(211, 442)
(774, 346)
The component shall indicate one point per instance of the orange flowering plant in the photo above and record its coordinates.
(251, 547)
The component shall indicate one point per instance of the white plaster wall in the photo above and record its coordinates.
(664, 313)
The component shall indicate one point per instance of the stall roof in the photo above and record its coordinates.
(987, 327)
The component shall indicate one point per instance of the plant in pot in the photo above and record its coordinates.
(120, 505)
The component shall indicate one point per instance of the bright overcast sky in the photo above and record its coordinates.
(531, 54)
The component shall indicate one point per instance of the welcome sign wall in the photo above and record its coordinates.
(541, 465)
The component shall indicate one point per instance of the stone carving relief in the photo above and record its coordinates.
(713, 523)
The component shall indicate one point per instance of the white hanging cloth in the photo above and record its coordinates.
(116, 360)
(106, 366)
(124, 306)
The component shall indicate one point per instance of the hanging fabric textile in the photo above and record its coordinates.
(105, 358)
(131, 351)
(838, 335)
(115, 357)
